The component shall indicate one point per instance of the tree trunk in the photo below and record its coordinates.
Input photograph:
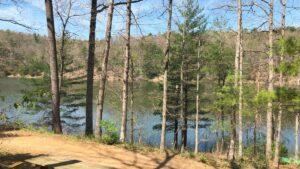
(176, 120)
(62, 57)
(257, 81)
(231, 152)
(270, 85)
(90, 71)
(238, 74)
(273, 127)
(165, 87)
(254, 134)
(175, 134)
(277, 142)
(296, 136)
(125, 76)
(103, 74)
(131, 103)
(217, 134)
(240, 50)
(182, 86)
(222, 131)
(197, 99)
(56, 124)
(184, 129)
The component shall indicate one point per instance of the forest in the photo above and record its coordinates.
(216, 83)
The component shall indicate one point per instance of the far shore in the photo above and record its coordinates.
(157, 79)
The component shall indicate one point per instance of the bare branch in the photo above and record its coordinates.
(16, 23)
(104, 6)
(137, 24)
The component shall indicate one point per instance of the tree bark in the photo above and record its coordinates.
(222, 130)
(197, 99)
(131, 103)
(103, 74)
(254, 134)
(176, 120)
(257, 81)
(125, 76)
(62, 57)
(182, 86)
(278, 137)
(176, 134)
(217, 133)
(240, 109)
(64, 21)
(185, 127)
(231, 152)
(90, 70)
(270, 85)
(297, 136)
(237, 81)
(165, 85)
(56, 123)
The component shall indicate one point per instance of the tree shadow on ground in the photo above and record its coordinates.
(158, 162)
(10, 159)
(166, 160)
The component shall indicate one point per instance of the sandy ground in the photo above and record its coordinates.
(30, 144)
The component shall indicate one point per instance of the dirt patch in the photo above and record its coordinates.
(23, 144)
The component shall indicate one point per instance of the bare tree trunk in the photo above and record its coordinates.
(257, 80)
(238, 73)
(270, 85)
(131, 104)
(64, 20)
(297, 136)
(231, 152)
(165, 87)
(103, 74)
(175, 134)
(277, 142)
(273, 127)
(125, 77)
(90, 70)
(217, 133)
(240, 109)
(176, 120)
(197, 99)
(184, 129)
(62, 57)
(56, 124)
(182, 105)
(222, 131)
(254, 134)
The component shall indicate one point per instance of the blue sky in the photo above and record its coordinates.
(148, 14)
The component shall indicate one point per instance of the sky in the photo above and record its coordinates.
(149, 14)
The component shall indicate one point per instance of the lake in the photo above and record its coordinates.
(147, 97)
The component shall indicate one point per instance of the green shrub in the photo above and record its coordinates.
(202, 158)
(283, 151)
(110, 135)
(257, 161)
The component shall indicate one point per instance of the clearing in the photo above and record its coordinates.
(22, 145)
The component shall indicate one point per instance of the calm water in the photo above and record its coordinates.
(146, 98)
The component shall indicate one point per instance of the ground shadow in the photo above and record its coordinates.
(158, 163)
(17, 157)
(69, 162)
(11, 159)
(166, 160)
